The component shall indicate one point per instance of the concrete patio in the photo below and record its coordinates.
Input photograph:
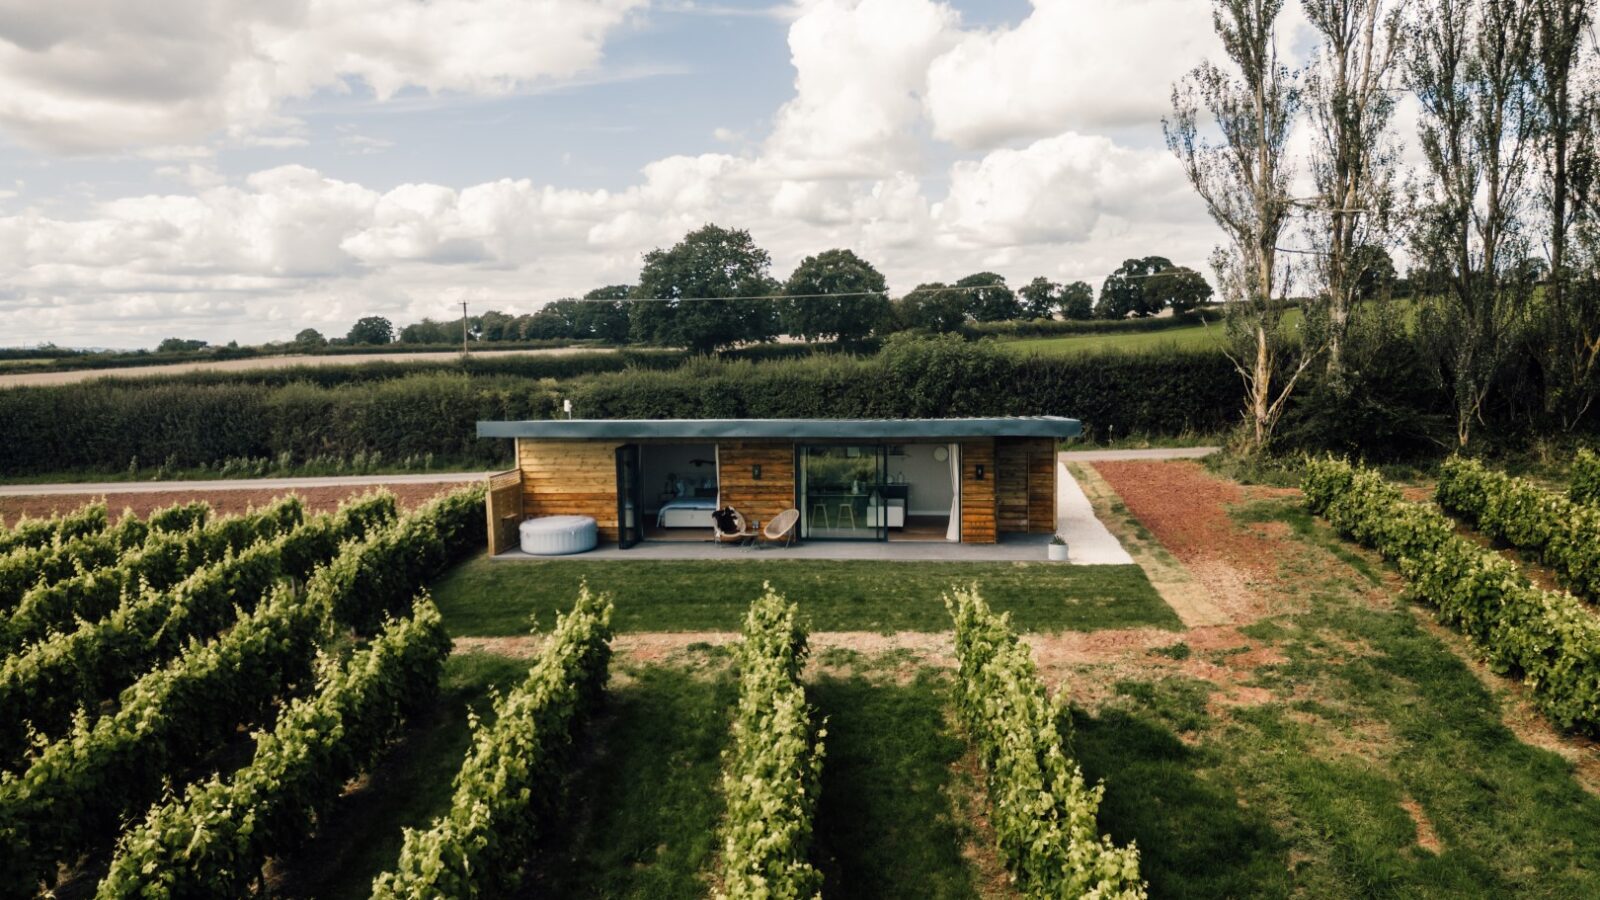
(1087, 538)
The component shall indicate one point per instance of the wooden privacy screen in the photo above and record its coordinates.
(762, 498)
(1026, 485)
(977, 496)
(504, 502)
(571, 478)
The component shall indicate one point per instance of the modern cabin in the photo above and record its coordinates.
(966, 480)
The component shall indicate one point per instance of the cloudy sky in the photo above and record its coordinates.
(241, 169)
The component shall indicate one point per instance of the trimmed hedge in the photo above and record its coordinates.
(1585, 485)
(772, 772)
(189, 422)
(1112, 393)
(1551, 639)
(509, 787)
(1042, 812)
(1564, 534)
(213, 840)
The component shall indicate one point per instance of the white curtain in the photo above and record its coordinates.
(953, 532)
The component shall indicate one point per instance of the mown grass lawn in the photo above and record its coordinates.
(1379, 765)
(642, 809)
(495, 598)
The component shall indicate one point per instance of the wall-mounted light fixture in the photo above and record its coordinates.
(979, 474)
(755, 472)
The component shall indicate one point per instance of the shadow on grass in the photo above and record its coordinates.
(410, 786)
(884, 826)
(643, 809)
(1195, 839)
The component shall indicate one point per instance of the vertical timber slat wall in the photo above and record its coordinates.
(1026, 485)
(1042, 468)
(737, 486)
(571, 478)
(978, 508)
(503, 504)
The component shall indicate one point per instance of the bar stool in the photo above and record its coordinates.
(819, 510)
(847, 508)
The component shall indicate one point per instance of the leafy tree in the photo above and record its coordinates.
(1128, 290)
(371, 330)
(684, 287)
(1077, 301)
(988, 298)
(604, 315)
(179, 345)
(934, 307)
(1351, 97)
(1374, 272)
(847, 319)
(496, 326)
(1244, 181)
(430, 331)
(1470, 72)
(1178, 288)
(1039, 298)
(310, 339)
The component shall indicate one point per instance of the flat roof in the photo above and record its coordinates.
(784, 429)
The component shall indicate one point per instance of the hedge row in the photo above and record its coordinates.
(43, 686)
(164, 559)
(509, 786)
(105, 425)
(1042, 812)
(1585, 484)
(1112, 393)
(79, 788)
(1552, 639)
(1564, 534)
(213, 840)
(27, 532)
(772, 772)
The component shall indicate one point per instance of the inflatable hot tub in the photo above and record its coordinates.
(557, 535)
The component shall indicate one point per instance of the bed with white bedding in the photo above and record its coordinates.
(687, 512)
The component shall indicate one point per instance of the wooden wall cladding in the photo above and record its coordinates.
(503, 505)
(571, 478)
(979, 513)
(1026, 485)
(761, 498)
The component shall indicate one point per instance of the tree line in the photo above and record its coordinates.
(694, 295)
(1502, 219)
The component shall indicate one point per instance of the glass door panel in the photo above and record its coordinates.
(841, 486)
(630, 519)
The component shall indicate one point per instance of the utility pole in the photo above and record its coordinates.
(463, 327)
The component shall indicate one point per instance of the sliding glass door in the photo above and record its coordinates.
(630, 508)
(842, 492)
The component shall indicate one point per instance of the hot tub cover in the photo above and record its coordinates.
(558, 535)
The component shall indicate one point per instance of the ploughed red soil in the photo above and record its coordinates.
(225, 502)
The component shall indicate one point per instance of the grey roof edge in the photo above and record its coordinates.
(783, 429)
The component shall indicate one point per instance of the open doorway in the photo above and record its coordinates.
(922, 479)
(679, 491)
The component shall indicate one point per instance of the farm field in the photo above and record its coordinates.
(288, 361)
(1324, 738)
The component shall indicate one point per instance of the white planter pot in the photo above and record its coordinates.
(1058, 552)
